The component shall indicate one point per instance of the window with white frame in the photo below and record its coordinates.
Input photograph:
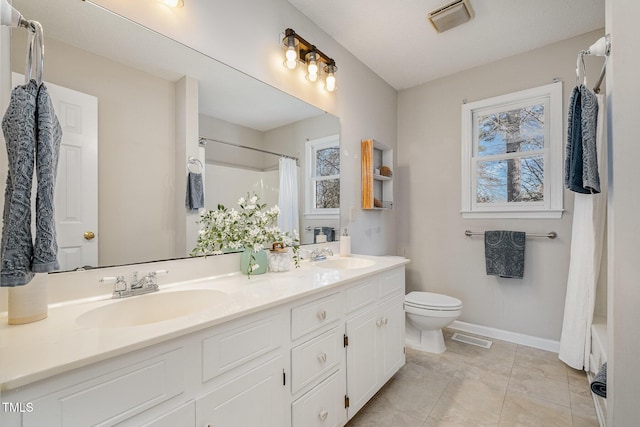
(512, 155)
(323, 176)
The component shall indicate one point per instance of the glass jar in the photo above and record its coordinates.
(280, 258)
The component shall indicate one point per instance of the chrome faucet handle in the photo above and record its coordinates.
(327, 251)
(119, 287)
(135, 283)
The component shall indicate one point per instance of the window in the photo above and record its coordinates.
(323, 176)
(512, 155)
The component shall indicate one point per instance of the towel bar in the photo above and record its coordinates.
(550, 235)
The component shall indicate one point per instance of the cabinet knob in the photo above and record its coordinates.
(322, 314)
(379, 322)
(322, 357)
(386, 320)
(323, 414)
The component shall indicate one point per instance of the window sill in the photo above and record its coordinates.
(520, 214)
(321, 216)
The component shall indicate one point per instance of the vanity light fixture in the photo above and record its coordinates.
(297, 50)
(174, 3)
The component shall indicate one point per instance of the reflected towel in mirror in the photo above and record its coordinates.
(195, 191)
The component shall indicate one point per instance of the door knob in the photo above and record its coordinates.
(88, 235)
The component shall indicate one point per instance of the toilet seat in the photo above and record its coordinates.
(432, 301)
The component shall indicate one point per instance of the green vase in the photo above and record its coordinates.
(260, 258)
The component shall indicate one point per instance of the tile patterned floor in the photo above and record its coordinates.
(468, 386)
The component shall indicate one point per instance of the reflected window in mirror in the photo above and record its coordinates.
(323, 180)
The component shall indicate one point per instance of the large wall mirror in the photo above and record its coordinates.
(119, 91)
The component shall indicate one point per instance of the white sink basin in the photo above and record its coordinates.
(345, 263)
(151, 308)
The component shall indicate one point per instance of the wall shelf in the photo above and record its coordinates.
(377, 189)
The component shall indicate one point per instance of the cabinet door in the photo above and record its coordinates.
(254, 398)
(391, 338)
(184, 415)
(362, 359)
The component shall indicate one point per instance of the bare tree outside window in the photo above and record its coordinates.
(514, 170)
(328, 189)
(323, 179)
(512, 149)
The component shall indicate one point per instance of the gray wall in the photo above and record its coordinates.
(430, 226)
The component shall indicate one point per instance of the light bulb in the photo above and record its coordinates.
(312, 69)
(292, 57)
(330, 82)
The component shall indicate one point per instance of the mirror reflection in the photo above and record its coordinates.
(121, 92)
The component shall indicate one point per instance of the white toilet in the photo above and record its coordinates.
(427, 314)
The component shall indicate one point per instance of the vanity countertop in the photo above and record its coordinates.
(57, 344)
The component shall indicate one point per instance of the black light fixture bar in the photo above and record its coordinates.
(306, 47)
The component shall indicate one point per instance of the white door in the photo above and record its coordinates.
(76, 194)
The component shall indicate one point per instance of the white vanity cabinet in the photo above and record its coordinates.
(313, 360)
(375, 333)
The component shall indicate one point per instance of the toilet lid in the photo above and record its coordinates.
(430, 299)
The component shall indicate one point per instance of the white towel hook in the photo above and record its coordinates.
(193, 161)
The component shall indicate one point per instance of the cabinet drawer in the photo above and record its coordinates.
(392, 282)
(323, 406)
(109, 399)
(314, 359)
(234, 347)
(313, 315)
(363, 295)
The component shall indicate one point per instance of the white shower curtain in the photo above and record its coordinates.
(584, 267)
(288, 196)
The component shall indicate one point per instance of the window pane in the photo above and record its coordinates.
(512, 180)
(328, 161)
(511, 131)
(328, 194)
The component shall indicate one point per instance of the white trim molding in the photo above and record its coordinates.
(514, 337)
(551, 207)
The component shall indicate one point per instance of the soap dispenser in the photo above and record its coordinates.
(321, 237)
(345, 244)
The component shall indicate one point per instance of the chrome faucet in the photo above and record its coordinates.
(146, 284)
(320, 254)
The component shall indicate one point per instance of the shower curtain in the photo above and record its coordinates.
(584, 267)
(288, 197)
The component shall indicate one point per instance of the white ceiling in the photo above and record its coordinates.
(396, 41)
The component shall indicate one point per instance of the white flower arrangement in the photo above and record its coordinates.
(251, 228)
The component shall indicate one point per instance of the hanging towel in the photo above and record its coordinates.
(195, 191)
(504, 253)
(18, 126)
(581, 161)
(49, 136)
(587, 236)
(599, 383)
(32, 134)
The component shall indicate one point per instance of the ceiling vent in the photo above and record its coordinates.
(450, 15)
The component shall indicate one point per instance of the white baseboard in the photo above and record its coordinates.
(514, 337)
